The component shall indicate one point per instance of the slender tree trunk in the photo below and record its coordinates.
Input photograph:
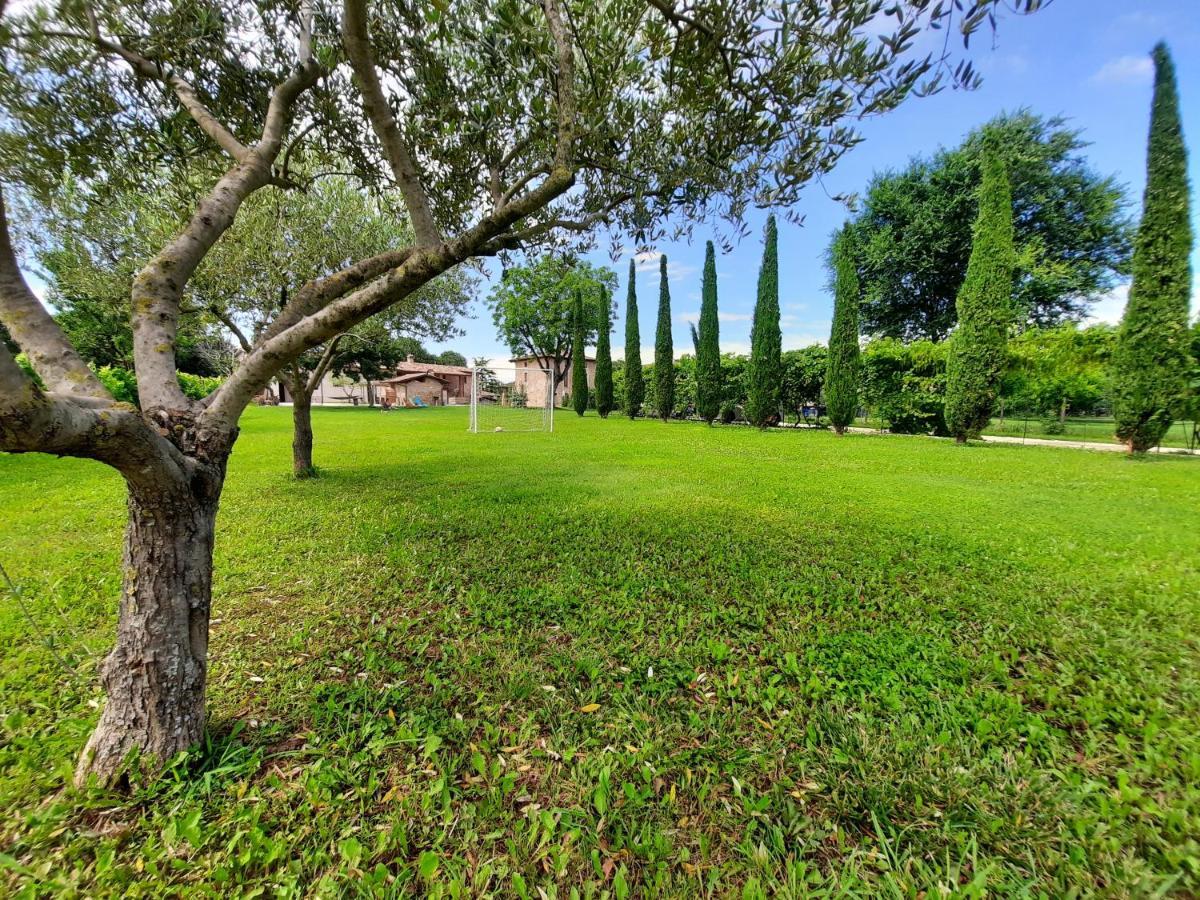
(302, 433)
(155, 675)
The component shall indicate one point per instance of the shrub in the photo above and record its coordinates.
(197, 387)
(121, 383)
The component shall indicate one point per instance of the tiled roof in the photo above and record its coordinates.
(414, 376)
(409, 368)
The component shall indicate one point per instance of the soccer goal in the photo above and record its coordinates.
(511, 399)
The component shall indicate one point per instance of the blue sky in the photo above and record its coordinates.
(1087, 60)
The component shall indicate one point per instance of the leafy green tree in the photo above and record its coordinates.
(451, 358)
(708, 344)
(579, 384)
(803, 377)
(1072, 233)
(604, 366)
(533, 307)
(1150, 366)
(904, 385)
(280, 241)
(766, 339)
(664, 348)
(483, 129)
(841, 379)
(977, 349)
(1052, 372)
(634, 393)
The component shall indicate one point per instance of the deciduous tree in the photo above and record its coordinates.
(533, 307)
(1072, 233)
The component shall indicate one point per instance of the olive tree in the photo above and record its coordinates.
(501, 127)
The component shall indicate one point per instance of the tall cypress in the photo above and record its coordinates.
(579, 385)
(978, 345)
(635, 385)
(604, 370)
(1150, 360)
(664, 350)
(708, 344)
(841, 368)
(765, 377)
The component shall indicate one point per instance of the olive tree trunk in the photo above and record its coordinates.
(155, 675)
(302, 433)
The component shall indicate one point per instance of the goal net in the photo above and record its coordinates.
(518, 398)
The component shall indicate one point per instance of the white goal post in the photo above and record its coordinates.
(512, 398)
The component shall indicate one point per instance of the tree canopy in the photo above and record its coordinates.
(533, 307)
(913, 234)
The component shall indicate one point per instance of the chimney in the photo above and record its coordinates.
(410, 358)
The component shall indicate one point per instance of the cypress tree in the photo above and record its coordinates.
(635, 386)
(708, 344)
(766, 342)
(664, 350)
(1151, 357)
(978, 345)
(579, 385)
(841, 368)
(604, 372)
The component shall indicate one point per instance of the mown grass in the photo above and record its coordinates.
(631, 659)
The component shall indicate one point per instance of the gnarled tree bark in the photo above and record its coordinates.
(155, 675)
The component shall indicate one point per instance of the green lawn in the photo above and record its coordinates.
(631, 658)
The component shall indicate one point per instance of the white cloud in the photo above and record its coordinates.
(735, 317)
(800, 340)
(1125, 70)
(1109, 308)
(648, 262)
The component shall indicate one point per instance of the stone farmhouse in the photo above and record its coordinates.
(531, 379)
(412, 382)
